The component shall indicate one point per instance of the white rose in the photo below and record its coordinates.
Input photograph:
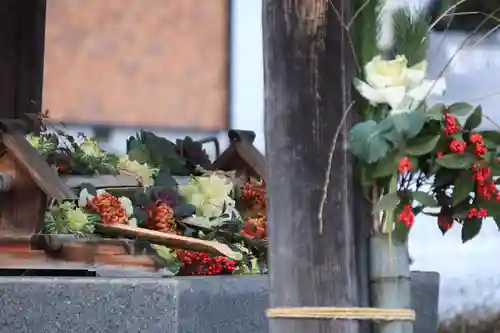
(392, 82)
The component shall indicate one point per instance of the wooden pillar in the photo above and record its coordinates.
(307, 75)
(22, 34)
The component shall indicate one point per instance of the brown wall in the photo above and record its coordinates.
(137, 62)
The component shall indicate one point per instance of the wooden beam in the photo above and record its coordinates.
(307, 73)
(22, 33)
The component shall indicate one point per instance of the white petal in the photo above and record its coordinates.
(368, 92)
(415, 77)
(132, 222)
(393, 96)
(427, 88)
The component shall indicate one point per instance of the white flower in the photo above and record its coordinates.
(142, 172)
(392, 82)
(90, 148)
(209, 195)
(85, 197)
(132, 222)
(127, 204)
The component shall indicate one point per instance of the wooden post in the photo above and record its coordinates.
(307, 71)
(22, 33)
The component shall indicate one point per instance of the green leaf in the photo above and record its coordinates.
(462, 187)
(139, 154)
(140, 214)
(422, 146)
(184, 210)
(400, 232)
(425, 199)
(497, 221)
(168, 258)
(456, 161)
(409, 124)
(89, 187)
(366, 142)
(435, 112)
(460, 109)
(385, 167)
(491, 206)
(164, 179)
(471, 228)
(387, 202)
(140, 198)
(474, 119)
(493, 136)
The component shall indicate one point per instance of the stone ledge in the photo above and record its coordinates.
(151, 305)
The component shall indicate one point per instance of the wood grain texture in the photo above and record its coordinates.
(307, 80)
(149, 63)
(21, 209)
(22, 27)
(36, 167)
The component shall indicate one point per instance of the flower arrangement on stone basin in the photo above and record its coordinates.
(213, 205)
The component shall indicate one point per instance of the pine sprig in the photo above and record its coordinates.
(410, 35)
(366, 29)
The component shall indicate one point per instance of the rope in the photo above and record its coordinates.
(376, 314)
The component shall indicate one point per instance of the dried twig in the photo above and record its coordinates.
(329, 167)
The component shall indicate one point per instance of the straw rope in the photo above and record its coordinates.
(375, 314)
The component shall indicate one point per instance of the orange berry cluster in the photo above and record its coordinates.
(255, 227)
(109, 208)
(161, 218)
(254, 192)
(200, 263)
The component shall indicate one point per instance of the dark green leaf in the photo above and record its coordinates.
(385, 167)
(389, 132)
(471, 228)
(491, 206)
(474, 119)
(388, 201)
(462, 187)
(422, 146)
(184, 210)
(231, 226)
(425, 199)
(460, 109)
(140, 214)
(497, 221)
(89, 187)
(164, 179)
(456, 161)
(139, 154)
(493, 136)
(140, 198)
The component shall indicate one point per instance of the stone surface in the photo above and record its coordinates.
(425, 300)
(151, 305)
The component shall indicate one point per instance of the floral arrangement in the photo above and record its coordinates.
(415, 158)
(213, 205)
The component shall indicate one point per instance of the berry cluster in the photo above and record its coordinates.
(109, 208)
(485, 188)
(255, 227)
(254, 193)
(407, 217)
(161, 218)
(200, 263)
(404, 165)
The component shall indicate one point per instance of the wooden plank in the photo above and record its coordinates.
(170, 240)
(307, 73)
(110, 181)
